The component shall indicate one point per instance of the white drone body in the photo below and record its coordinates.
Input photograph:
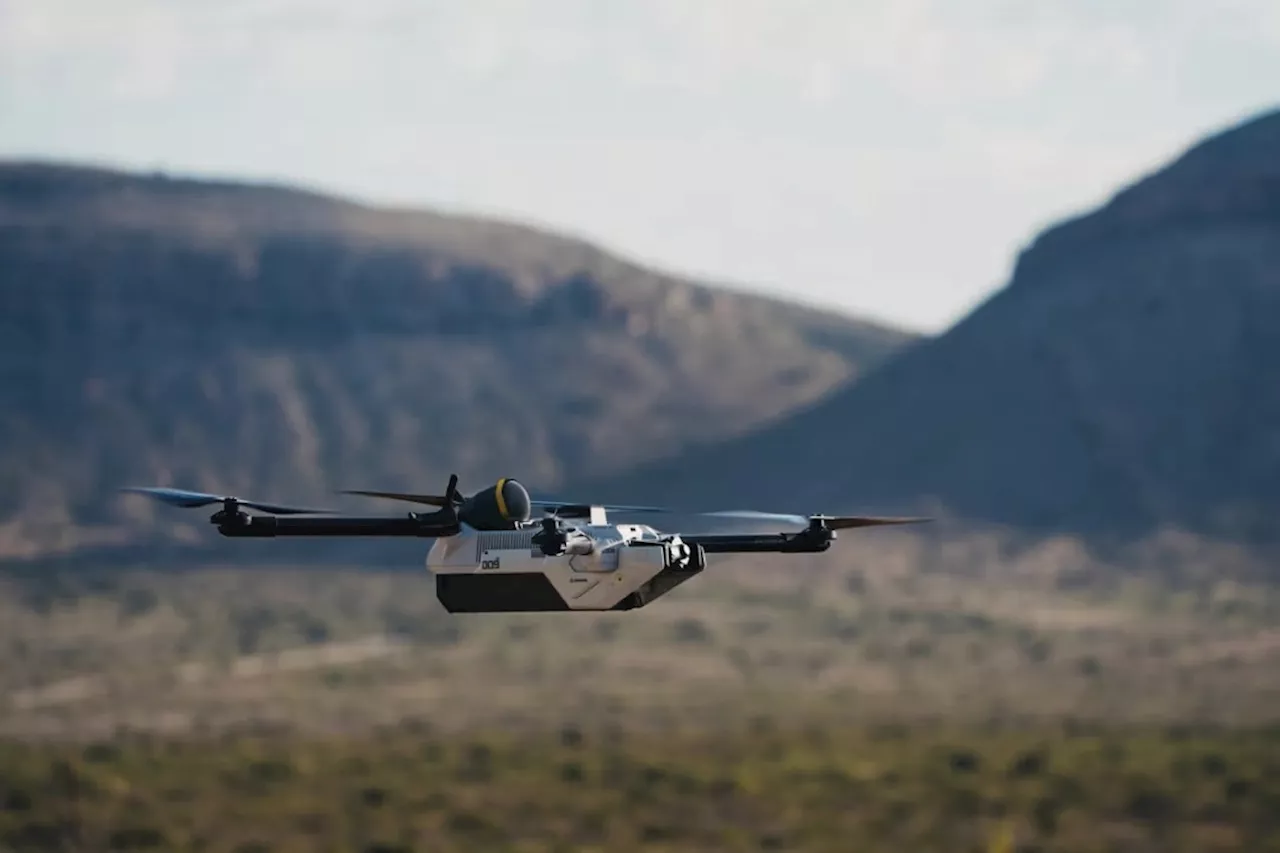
(490, 557)
(601, 566)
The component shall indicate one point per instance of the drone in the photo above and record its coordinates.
(491, 556)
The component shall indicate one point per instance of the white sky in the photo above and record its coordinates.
(888, 158)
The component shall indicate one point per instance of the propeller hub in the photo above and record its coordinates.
(551, 540)
(230, 514)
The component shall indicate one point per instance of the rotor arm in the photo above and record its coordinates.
(266, 526)
(806, 542)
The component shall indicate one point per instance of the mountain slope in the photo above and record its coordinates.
(273, 342)
(1127, 379)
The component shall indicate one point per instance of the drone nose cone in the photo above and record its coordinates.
(516, 504)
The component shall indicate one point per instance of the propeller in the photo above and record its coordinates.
(191, 500)
(556, 508)
(830, 522)
(429, 500)
(451, 496)
(567, 509)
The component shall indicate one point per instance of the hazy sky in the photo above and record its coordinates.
(887, 157)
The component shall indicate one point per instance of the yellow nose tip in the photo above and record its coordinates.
(502, 501)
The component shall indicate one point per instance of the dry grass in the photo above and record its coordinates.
(886, 626)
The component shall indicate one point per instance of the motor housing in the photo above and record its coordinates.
(503, 506)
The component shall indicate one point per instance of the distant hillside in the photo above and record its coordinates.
(1127, 379)
(279, 343)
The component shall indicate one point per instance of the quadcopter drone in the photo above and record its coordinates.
(489, 556)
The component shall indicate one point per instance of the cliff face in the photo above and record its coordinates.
(1126, 379)
(266, 341)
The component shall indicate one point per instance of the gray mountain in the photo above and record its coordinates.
(1126, 379)
(278, 343)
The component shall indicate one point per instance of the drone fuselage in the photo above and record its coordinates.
(600, 567)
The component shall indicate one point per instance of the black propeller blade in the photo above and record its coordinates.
(429, 500)
(451, 496)
(563, 509)
(192, 500)
(848, 522)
